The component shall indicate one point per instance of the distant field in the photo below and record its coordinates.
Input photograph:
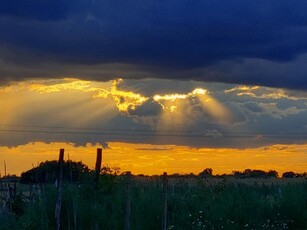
(192, 203)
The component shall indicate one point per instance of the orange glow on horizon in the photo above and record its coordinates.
(155, 159)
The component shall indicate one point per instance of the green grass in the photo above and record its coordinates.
(193, 203)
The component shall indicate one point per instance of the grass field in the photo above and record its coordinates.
(193, 203)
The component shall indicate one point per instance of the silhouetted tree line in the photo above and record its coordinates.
(249, 173)
(46, 172)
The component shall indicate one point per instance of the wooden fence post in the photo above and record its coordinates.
(98, 166)
(164, 218)
(59, 190)
(15, 189)
(128, 201)
(4, 168)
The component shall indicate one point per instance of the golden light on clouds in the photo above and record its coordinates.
(173, 103)
(169, 97)
(56, 101)
(215, 108)
(262, 92)
(155, 159)
(68, 84)
(176, 96)
(53, 86)
(124, 99)
(242, 88)
(172, 115)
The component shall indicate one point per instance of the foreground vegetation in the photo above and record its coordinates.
(193, 202)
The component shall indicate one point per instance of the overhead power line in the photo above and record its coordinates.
(148, 133)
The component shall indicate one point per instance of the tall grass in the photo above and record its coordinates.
(193, 203)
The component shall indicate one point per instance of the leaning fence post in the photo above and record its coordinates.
(164, 218)
(128, 201)
(59, 190)
(98, 166)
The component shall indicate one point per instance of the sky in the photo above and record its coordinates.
(174, 86)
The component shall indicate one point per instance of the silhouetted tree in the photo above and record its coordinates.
(110, 171)
(288, 175)
(272, 173)
(46, 172)
(206, 172)
(258, 174)
(236, 174)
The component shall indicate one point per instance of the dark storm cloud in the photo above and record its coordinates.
(200, 40)
(35, 9)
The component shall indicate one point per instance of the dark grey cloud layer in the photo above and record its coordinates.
(251, 42)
